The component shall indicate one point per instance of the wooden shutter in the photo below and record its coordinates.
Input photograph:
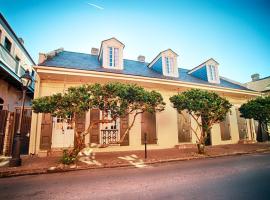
(46, 132)
(94, 134)
(184, 127)
(242, 126)
(225, 129)
(149, 127)
(80, 124)
(3, 121)
(123, 127)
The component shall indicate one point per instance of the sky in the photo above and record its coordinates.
(236, 33)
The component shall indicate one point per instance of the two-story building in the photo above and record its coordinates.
(61, 69)
(14, 61)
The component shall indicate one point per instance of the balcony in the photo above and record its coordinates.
(13, 64)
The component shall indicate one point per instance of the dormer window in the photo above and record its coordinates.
(111, 54)
(212, 72)
(165, 63)
(169, 64)
(207, 71)
(113, 57)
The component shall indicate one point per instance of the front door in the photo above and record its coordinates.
(242, 126)
(225, 129)
(63, 133)
(184, 127)
(149, 128)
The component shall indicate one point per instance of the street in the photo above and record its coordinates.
(236, 177)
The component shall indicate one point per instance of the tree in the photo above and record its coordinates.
(115, 100)
(206, 108)
(257, 109)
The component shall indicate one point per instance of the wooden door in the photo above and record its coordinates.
(149, 127)
(94, 132)
(184, 127)
(123, 127)
(242, 126)
(46, 132)
(3, 121)
(225, 129)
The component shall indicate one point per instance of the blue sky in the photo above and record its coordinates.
(236, 33)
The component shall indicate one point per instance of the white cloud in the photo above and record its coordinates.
(96, 6)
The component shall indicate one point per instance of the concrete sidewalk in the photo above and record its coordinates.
(51, 164)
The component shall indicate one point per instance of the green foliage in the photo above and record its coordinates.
(208, 106)
(69, 157)
(258, 109)
(114, 99)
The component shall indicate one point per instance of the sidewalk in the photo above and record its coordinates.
(40, 165)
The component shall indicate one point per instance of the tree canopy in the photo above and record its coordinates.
(206, 108)
(257, 109)
(115, 100)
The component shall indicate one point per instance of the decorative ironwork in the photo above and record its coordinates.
(109, 136)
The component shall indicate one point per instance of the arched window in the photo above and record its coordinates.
(1, 103)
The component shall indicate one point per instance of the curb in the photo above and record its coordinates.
(46, 171)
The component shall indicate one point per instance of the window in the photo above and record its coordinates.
(7, 44)
(0, 35)
(169, 64)
(33, 73)
(113, 57)
(212, 72)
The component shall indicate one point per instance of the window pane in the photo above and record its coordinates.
(171, 64)
(116, 57)
(110, 56)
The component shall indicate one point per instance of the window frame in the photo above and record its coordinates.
(113, 57)
(9, 50)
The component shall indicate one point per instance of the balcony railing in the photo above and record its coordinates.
(8, 59)
(13, 64)
(109, 136)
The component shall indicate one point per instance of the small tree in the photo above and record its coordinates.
(206, 108)
(115, 100)
(258, 109)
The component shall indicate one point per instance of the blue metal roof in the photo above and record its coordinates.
(82, 61)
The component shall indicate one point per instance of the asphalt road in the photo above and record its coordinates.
(237, 177)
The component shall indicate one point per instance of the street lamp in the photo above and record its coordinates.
(16, 161)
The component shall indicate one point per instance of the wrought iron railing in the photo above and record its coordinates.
(109, 136)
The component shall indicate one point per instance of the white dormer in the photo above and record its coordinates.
(207, 71)
(111, 54)
(166, 63)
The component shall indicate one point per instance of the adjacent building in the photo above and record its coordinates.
(259, 84)
(60, 69)
(14, 61)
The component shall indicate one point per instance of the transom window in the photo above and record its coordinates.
(113, 57)
(212, 72)
(169, 64)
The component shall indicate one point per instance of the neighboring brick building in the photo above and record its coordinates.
(14, 61)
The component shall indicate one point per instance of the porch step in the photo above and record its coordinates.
(185, 146)
(4, 161)
(246, 141)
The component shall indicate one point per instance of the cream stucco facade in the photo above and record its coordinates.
(52, 80)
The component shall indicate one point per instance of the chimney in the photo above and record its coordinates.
(21, 41)
(255, 77)
(42, 57)
(94, 51)
(141, 58)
